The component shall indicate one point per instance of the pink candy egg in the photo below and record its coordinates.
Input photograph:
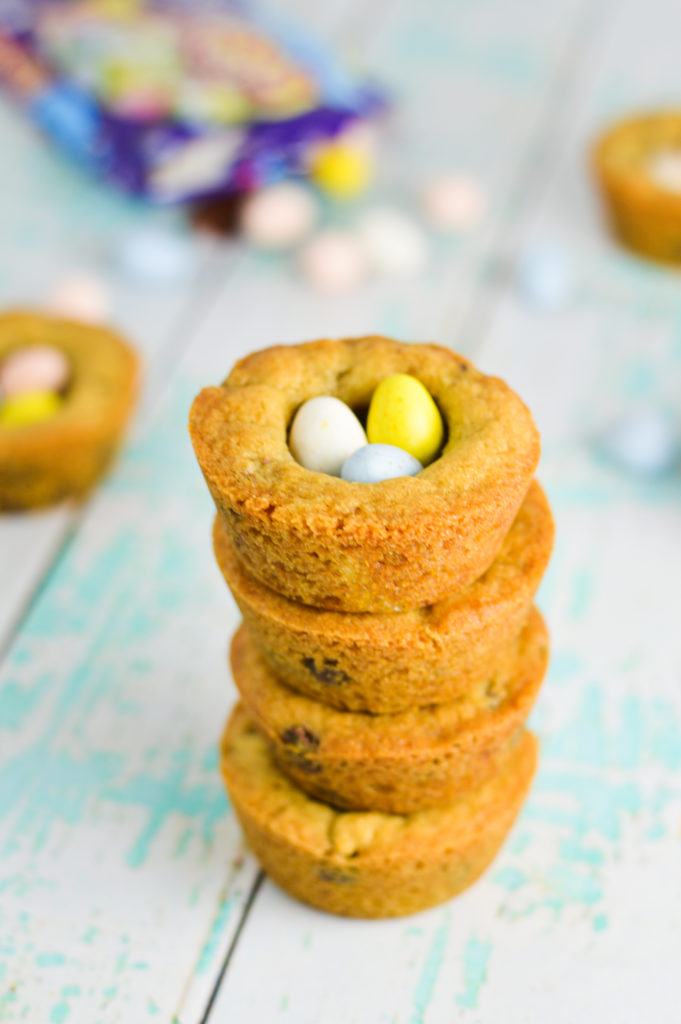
(334, 262)
(34, 368)
(80, 296)
(279, 216)
(452, 202)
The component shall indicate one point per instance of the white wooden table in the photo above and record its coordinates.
(125, 891)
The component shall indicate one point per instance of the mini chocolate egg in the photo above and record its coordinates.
(341, 171)
(29, 408)
(324, 432)
(157, 256)
(33, 368)
(452, 202)
(403, 413)
(645, 443)
(376, 462)
(334, 262)
(395, 245)
(279, 216)
(544, 277)
(80, 296)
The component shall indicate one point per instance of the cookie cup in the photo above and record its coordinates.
(367, 864)
(424, 757)
(327, 543)
(644, 214)
(64, 456)
(387, 662)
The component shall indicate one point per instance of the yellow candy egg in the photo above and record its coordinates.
(29, 408)
(342, 171)
(403, 413)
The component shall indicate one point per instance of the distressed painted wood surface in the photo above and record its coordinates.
(125, 892)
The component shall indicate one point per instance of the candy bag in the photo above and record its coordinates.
(177, 100)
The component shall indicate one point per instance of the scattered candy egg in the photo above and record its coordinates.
(324, 432)
(334, 261)
(376, 462)
(80, 296)
(402, 413)
(278, 216)
(643, 442)
(156, 256)
(664, 167)
(545, 277)
(33, 368)
(29, 408)
(452, 202)
(394, 244)
(342, 171)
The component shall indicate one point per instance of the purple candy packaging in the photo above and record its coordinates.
(176, 100)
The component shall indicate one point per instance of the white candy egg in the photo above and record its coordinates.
(452, 202)
(324, 432)
(395, 245)
(334, 262)
(376, 462)
(279, 216)
(664, 167)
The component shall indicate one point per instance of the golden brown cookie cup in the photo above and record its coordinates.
(644, 215)
(384, 663)
(424, 757)
(367, 864)
(345, 546)
(63, 457)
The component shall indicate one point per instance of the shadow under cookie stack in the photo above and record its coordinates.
(390, 651)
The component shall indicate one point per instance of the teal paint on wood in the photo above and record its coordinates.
(567, 883)
(583, 585)
(430, 971)
(571, 850)
(510, 878)
(664, 736)
(18, 700)
(211, 944)
(476, 957)
(643, 731)
(50, 959)
(565, 667)
(58, 787)
(592, 805)
(160, 797)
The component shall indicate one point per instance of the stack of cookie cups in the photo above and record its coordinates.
(390, 652)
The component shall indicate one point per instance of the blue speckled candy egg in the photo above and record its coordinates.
(545, 277)
(376, 462)
(644, 443)
(155, 256)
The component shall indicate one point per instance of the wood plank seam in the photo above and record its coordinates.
(533, 172)
(255, 889)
